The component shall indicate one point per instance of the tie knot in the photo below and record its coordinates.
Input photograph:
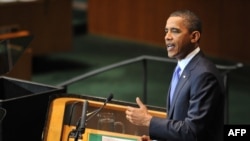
(177, 71)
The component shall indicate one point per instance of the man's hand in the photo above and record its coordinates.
(138, 116)
(145, 138)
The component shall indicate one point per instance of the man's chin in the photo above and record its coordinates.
(171, 56)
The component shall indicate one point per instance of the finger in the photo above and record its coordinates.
(129, 110)
(138, 101)
(145, 138)
(127, 116)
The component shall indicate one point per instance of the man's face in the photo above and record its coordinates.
(177, 38)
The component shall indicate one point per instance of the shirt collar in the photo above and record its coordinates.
(183, 63)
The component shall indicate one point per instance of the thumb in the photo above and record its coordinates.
(139, 102)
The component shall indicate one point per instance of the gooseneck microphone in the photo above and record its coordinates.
(83, 118)
(93, 113)
(81, 124)
(81, 129)
(76, 133)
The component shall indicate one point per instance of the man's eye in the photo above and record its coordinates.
(175, 30)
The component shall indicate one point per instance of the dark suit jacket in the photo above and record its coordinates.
(198, 106)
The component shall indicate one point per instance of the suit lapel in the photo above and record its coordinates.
(183, 79)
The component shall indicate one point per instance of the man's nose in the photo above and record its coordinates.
(168, 36)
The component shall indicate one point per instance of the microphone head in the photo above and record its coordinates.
(110, 97)
(98, 110)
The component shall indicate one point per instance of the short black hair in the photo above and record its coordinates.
(192, 20)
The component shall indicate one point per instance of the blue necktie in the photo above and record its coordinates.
(174, 82)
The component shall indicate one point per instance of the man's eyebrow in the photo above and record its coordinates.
(171, 28)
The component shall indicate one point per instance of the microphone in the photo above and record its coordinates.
(93, 113)
(76, 133)
(80, 128)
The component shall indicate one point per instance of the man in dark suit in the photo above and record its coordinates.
(195, 107)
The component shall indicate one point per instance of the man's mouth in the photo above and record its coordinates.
(170, 46)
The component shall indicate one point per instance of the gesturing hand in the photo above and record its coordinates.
(138, 116)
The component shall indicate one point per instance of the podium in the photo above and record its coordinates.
(57, 128)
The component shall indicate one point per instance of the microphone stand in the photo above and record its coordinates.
(79, 131)
(80, 127)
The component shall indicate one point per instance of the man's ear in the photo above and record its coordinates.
(195, 36)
